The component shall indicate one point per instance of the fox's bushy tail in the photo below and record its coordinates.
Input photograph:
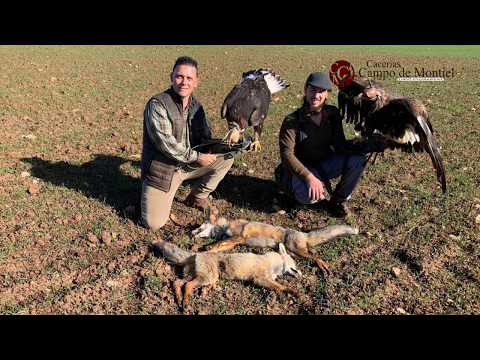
(316, 237)
(172, 252)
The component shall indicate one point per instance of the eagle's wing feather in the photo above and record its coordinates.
(248, 102)
(406, 122)
(261, 100)
(348, 102)
(229, 99)
(431, 147)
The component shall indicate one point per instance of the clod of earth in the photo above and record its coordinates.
(401, 311)
(106, 237)
(92, 238)
(396, 271)
(34, 189)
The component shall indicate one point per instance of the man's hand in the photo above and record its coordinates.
(206, 159)
(316, 189)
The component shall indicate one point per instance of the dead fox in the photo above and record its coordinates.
(204, 268)
(251, 233)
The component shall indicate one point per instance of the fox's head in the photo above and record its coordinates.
(289, 265)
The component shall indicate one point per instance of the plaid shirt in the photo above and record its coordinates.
(159, 128)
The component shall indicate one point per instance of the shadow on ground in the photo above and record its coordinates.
(251, 193)
(100, 178)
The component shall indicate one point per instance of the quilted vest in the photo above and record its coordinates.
(158, 169)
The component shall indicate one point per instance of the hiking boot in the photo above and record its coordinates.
(337, 209)
(201, 204)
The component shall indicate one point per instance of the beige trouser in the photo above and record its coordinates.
(156, 204)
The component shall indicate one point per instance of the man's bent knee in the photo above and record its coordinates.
(154, 224)
(155, 207)
(222, 164)
(303, 198)
(357, 161)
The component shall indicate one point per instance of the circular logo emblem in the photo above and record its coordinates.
(342, 73)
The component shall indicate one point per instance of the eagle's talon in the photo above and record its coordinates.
(232, 137)
(255, 146)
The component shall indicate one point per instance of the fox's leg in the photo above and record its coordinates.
(226, 245)
(192, 285)
(189, 287)
(177, 286)
(320, 263)
(206, 289)
(273, 285)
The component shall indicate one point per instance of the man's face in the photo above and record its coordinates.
(316, 96)
(184, 80)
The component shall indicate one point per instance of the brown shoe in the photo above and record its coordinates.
(202, 204)
(178, 221)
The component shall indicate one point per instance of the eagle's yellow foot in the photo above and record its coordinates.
(232, 137)
(255, 146)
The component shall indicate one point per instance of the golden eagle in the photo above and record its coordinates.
(403, 121)
(247, 104)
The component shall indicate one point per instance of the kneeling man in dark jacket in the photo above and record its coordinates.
(313, 150)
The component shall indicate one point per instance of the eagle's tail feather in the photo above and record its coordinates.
(274, 82)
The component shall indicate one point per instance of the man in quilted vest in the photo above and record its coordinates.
(174, 123)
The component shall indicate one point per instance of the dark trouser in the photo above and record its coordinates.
(349, 167)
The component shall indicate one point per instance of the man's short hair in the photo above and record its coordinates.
(186, 60)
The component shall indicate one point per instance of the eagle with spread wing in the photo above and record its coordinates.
(403, 121)
(248, 102)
